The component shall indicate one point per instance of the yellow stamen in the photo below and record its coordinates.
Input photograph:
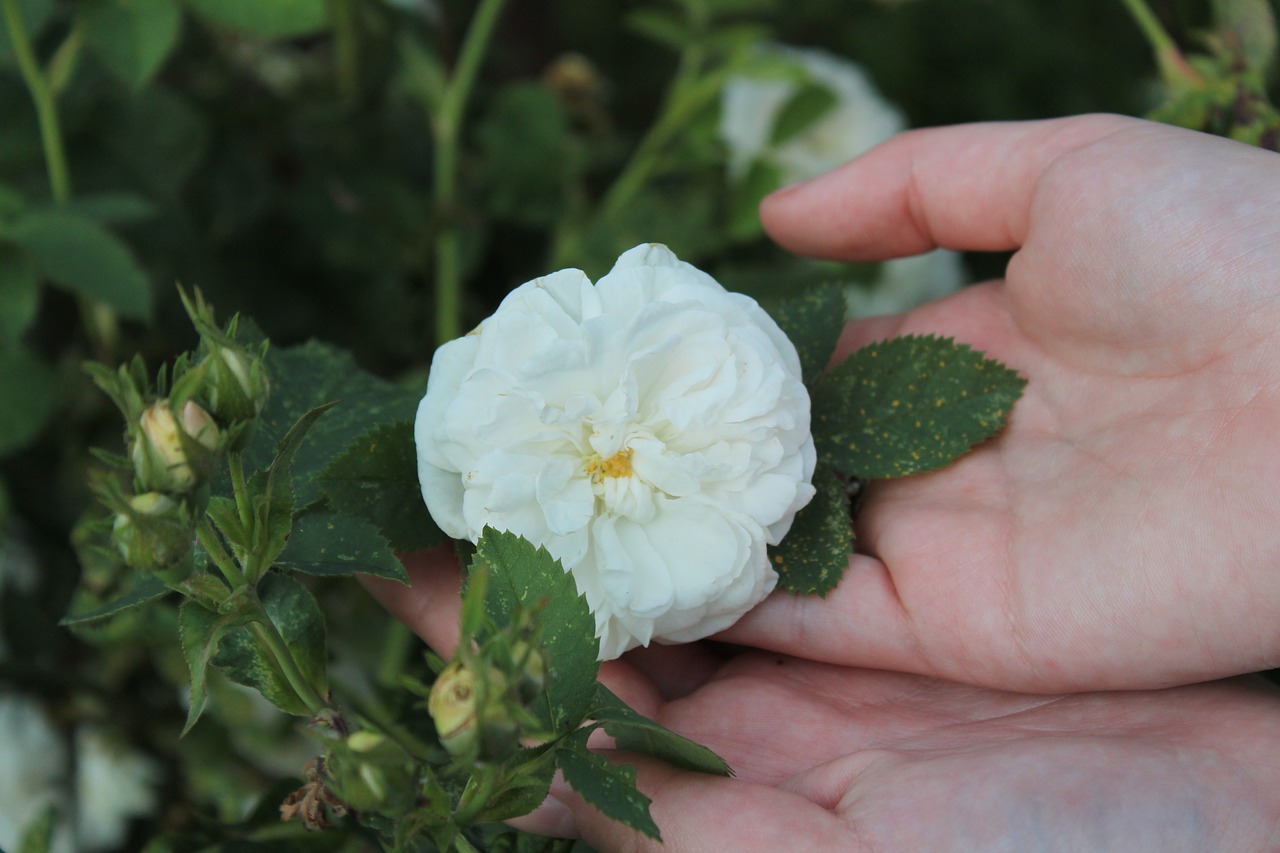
(617, 465)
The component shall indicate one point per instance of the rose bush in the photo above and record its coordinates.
(651, 431)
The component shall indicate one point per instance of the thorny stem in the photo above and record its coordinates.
(447, 127)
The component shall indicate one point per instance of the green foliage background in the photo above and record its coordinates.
(280, 156)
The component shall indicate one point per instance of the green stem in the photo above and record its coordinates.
(447, 127)
(100, 322)
(476, 796)
(395, 647)
(55, 157)
(346, 45)
(1173, 65)
(226, 564)
(267, 634)
(239, 487)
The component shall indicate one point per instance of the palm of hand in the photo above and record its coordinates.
(1121, 530)
(832, 758)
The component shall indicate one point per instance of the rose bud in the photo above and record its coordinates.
(153, 535)
(236, 387)
(469, 716)
(173, 457)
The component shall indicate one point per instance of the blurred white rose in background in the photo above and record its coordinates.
(794, 126)
(650, 430)
(33, 771)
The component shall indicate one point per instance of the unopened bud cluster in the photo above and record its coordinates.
(481, 703)
(176, 431)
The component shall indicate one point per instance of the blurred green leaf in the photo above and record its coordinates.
(159, 138)
(80, 255)
(803, 109)
(37, 836)
(520, 573)
(111, 208)
(145, 588)
(376, 478)
(133, 37)
(909, 404)
(526, 165)
(270, 19)
(812, 557)
(745, 196)
(813, 322)
(296, 616)
(610, 788)
(326, 543)
(29, 387)
(636, 733)
(19, 294)
(1251, 25)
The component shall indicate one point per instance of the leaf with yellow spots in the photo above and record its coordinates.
(812, 557)
(813, 322)
(908, 405)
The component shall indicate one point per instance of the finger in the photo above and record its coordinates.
(968, 187)
(862, 622)
(432, 601)
(696, 811)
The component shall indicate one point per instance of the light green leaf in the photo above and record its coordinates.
(272, 19)
(518, 572)
(30, 390)
(803, 109)
(331, 544)
(813, 322)
(908, 405)
(133, 37)
(376, 478)
(1252, 24)
(145, 588)
(296, 616)
(80, 255)
(812, 557)
(200, 632)
(610, 788)
(745, 197)
(636, 733)
(19, 294)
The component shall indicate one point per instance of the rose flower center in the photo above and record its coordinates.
(617, 465)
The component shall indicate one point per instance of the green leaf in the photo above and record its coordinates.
(635, 732)
(908, 405)
(526, 791)
(813, 321)
(80, 255)
(133, 37)
(339, 545)
(376, 478)
(274, 492)
(111, 208)
(611, 788)
(746, 194)
(520, 573)
(200, 632)
(311, 375)
(37, 836)
(1252, 24)
(146, 588)
(802, 110)
(273, 20)
(296, 616)
(159, 139)
(31, 392)
(19, 294)
(812, 557)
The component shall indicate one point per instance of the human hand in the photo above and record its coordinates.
(1122, 531)
(836, 758)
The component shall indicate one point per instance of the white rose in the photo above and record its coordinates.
(114, 785)
(33, 770)
(651, 431)
(859, 120)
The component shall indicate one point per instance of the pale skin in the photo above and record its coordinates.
(1120, 535)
